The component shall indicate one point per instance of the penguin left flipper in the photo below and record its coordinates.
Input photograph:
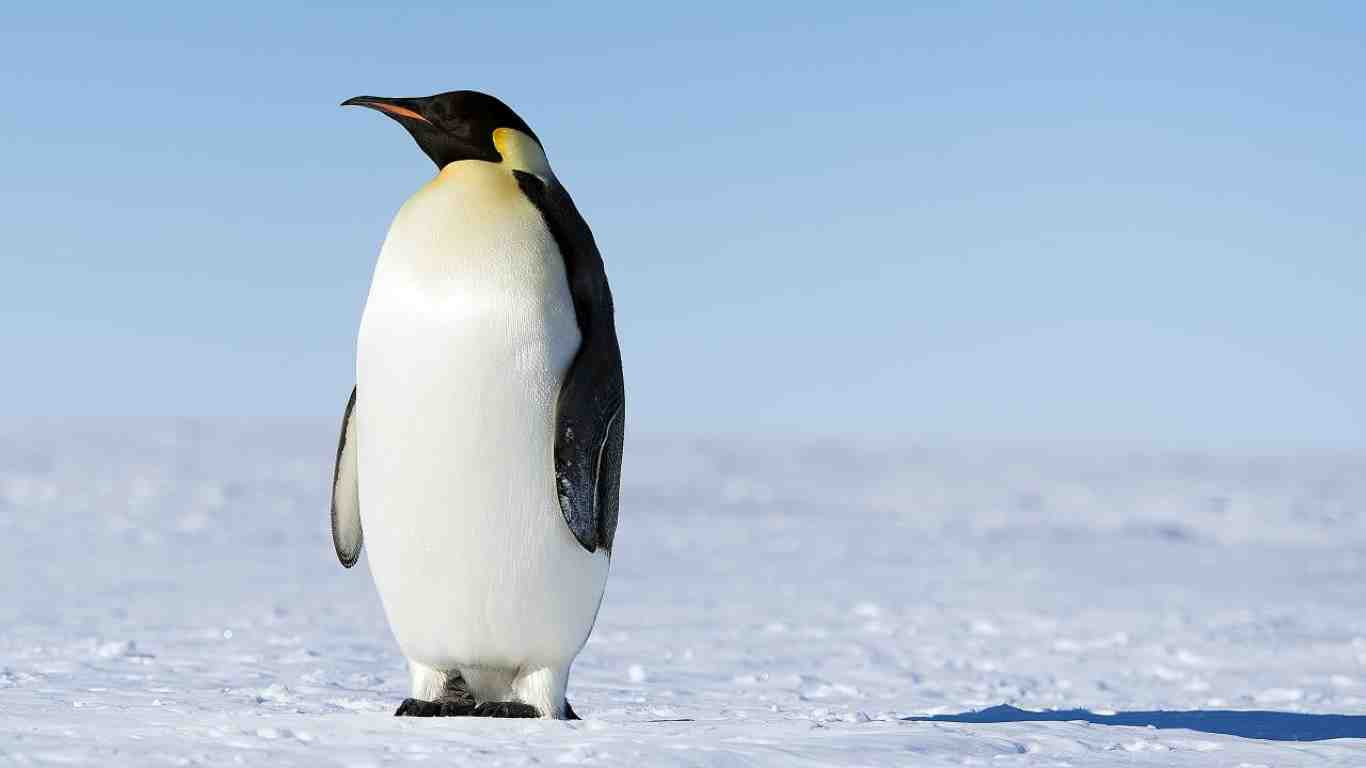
(346, 530)
(591, 409)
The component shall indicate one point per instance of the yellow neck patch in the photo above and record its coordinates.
(521, 153)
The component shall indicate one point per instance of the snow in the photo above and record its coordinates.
(171, 598)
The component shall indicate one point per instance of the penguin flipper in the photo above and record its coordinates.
(591, 411)
(346, 531)
(589, 436)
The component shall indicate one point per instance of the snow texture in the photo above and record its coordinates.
(173, 599)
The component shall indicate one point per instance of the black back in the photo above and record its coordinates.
(591, 413)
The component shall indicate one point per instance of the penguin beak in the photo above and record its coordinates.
(399, 109)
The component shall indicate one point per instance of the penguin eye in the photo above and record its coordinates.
(456, 126)
(448, 120)
(462, 128)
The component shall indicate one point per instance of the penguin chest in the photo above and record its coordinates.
(467, 334)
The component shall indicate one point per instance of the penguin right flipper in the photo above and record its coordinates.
(346, 531)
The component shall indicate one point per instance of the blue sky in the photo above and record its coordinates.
(1060, 221)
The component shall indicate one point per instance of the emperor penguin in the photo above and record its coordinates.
(481, 448)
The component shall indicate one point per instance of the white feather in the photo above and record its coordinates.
(467, 333)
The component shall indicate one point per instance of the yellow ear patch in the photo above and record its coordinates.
(521, 152)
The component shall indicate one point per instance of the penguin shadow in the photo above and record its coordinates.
(1276, 726)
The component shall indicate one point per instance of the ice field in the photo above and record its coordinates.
(171, 598)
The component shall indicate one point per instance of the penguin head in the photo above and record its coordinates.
(464, 125)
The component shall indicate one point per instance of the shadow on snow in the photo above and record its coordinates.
(1280, 726)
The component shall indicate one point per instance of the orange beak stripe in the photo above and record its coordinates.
(396, 110)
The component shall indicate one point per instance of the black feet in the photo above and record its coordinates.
(455, 701)
(442, 708)
(458, 701)
(458, 708)
(505, 709)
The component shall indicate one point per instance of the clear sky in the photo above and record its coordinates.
(1133, 221)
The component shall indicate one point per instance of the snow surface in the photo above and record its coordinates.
(172, 599)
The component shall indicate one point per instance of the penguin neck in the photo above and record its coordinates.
(522, 153)
(455, 222)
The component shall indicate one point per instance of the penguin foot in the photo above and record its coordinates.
(440, 708)
(505, 709)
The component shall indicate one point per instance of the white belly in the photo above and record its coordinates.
(467, 333)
